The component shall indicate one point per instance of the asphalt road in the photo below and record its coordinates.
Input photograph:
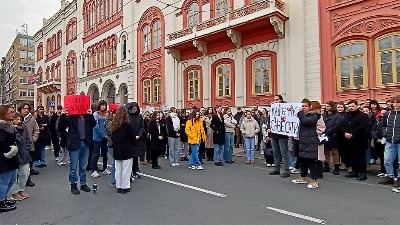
(236, 194)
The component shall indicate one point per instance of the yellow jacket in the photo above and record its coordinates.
(195, 131)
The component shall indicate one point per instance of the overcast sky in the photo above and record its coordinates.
(14, 13)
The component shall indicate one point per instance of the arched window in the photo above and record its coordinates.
(261, 73)
(157, 89)
(388, 57)
(193, 84)
(101, 57)
(47, 73)
(114, 56)
(58, 75)
(223, 79)
(193, 15)
(123, 47)
(146, 91)
(156, 34)
(59, 39)
(146, 39)
(52, 71)
(351, 68)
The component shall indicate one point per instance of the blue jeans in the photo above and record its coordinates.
(391, 151)
(78, 157)
(7, 180)
(229, 139)
(281, 153)
(174, 146)
(194, 157)
(218, 153)
(292, 159)
(42, 154)
(97, 146)
(249, 145)
(112, 178)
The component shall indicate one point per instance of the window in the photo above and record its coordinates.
(22, 67)
(123, 47)
(23, 54)
(23, 80)
(350, 65)
(146, 38)
(157, 90)
(193, 15)
(31, 55)
(114, 55)
(31, 93)
(59, 40)
(261, 69)
(157, 35)
(389, 59)
(194, 84)
(221, 7)
(146, 90)
(23, 41)
(223, 72)
(31, 44)
(22, 93)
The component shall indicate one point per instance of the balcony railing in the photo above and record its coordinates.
(274, 5)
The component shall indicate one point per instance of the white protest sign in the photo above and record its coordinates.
(283, 118)
(150, 109)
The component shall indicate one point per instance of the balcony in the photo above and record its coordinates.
(272, 9)
(49, 86)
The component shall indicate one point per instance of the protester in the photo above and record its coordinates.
(8, 159)
(108, 125)
(268, 153)
(80, 136)
(195, 131)
(156, 132)
(230, 125)
(238, 135)
(173, 126)
(209, 132)
(249, 129)
(100, 140)
(379, 145)
(332, 123)
(355, 127)
(280, 147)
(43, 122)
(123, 144)
(24, 144)
(308, 145)
(55, 139)
(137, 124)
(184, 145)
(218, 126)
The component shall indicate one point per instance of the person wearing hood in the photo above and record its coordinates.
(249, 129)
(8, 161)
(230, 125)
(173, 126)
(137, 124)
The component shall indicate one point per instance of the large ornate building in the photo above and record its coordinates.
(181, 52)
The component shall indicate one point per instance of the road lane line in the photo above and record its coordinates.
(179, 184)
(296, 215)
(184, 185)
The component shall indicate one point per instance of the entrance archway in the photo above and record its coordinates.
(94, 94)
(108, 92)
(123, 94)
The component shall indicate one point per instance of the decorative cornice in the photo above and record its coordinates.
(235, 37)
(176, 54)
(279, 26)
(368, 26)
(201, 46)
(115, 70)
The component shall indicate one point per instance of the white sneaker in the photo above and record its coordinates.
(166, 157)
(382, 175)
(57, 158)
(61, 163)
(192, 167)
(173, 164)
(262, 152)
(107, 172)
(95, 174)
(177, 164)
(294, 171)
(270, 165)
(313, 184)
(372, 161)
(300, 180)
(291, 167)
(199, 167)
(396, 190)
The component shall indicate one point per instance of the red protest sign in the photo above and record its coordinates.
(77, 104)
(113, 107)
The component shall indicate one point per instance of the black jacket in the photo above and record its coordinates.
(7, 138)
(123, 142)
(357, 124)
(137, 124)
(52, 126)
(218, 126)
(308, 137)
(376, 131)
(170, 128)
(24, 143)
(184, 137)
(44, 136)
(391, 127)
(332, 126)
(154, 132)
(71, 122)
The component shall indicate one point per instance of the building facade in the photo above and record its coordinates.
(181, 53)
(17, 66)
(360, 49)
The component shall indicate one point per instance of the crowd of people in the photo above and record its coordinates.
(353, 135)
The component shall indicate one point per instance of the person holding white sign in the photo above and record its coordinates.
(249, 129)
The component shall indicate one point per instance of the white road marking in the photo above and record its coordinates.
(296, 215)
(179, 184)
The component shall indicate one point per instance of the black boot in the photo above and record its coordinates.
(327, 169)
(351, 175)
(336, 169)
(74, 189)
(29, 183)
(6, 208)
(362, 177)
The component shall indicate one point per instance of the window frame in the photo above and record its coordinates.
(157, 90)
(224, 86)
(253, 81)
(146, 33)
(156, 36)
(189, 80)
(147, 88)
(392, 50)
(338, 58)
(190, 15)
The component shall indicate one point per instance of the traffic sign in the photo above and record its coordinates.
(52, 104)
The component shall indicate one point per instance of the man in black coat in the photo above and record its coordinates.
(53, 131)
(355, 127)
(80, 137)
(218, 126)
(44, 138)
(137, 124)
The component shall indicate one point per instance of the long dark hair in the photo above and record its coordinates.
(121, 117)
(101, 102)
(193, 115)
